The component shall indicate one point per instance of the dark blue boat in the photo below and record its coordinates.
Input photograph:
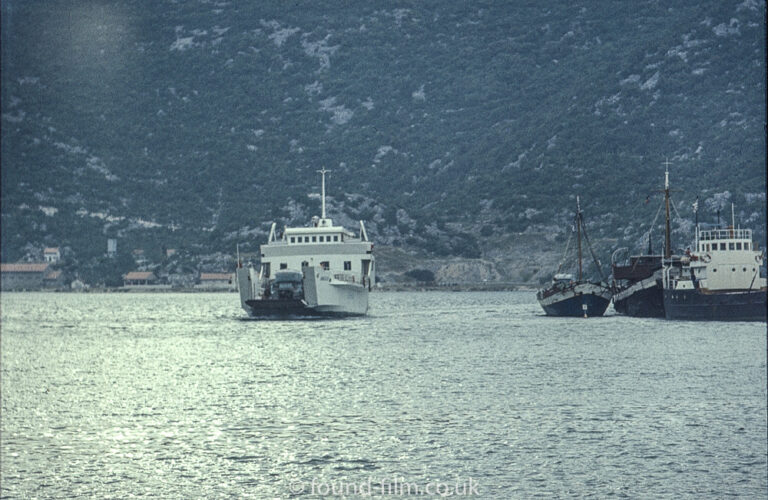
(568, 297)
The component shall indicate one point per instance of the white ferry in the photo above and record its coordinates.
(319, 270)
(719, 280)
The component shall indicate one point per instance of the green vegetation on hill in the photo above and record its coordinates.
(194, 124)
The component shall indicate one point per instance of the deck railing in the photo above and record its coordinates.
(349, 278)
(725, 234)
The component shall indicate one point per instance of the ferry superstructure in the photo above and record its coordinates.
(319, 270)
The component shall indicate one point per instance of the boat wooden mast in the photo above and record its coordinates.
(578, 232)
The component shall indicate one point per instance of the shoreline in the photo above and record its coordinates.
(400, 287)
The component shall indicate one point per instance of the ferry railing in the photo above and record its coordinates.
(349, 278)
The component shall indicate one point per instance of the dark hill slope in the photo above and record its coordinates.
(191, 124)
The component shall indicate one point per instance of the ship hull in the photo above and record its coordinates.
(573, 306)
(291, 308)
(644, 299)
(725, 306)
(571, 302)
(323, 296)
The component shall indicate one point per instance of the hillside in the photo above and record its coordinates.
(449, 128)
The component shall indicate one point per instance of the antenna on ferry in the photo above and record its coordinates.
(696, 225)
(696, 210)
(322, 195)
(733, 217)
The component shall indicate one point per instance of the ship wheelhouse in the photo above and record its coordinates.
(722, 260)
(724, 240)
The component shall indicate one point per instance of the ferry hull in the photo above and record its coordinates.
(734, 306)
(290, 308)
(323, 296)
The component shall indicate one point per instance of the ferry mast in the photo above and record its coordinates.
(667, 232)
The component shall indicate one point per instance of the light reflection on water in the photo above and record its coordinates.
(177, 395)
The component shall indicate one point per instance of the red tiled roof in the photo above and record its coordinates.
(215, 276)
(139, 275)
(23, 268)
(51, 250)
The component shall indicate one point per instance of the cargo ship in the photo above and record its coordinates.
(637, 284)
(719, 280)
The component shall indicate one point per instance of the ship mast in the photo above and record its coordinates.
(667, 237)
(578, 231)
(322, 191)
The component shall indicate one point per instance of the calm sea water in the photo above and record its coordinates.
(175, 395)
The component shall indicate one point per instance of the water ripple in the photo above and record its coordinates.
(178, 396)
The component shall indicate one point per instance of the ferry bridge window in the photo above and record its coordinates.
(314, 239)
(707, 247)
(722, 246)
(336, 238)
(731, 246)
(305, 264)
(293, 239)
(322, 238)
(283, 265)
(347, 265)
(746, 246)
(738, 246)
(325, 265)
